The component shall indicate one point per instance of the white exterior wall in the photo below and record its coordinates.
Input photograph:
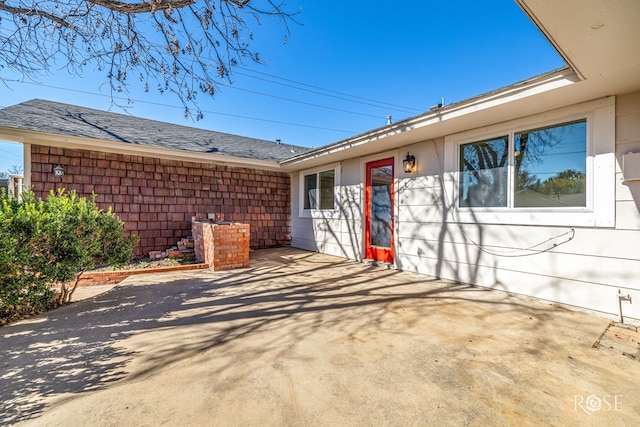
(586, 267)
(336, 233)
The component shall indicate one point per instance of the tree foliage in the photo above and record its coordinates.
(182, 46)
(53, 241)
(483, 166)
(566, 182)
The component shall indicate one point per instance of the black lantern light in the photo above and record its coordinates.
(409, 163)
(58, 171)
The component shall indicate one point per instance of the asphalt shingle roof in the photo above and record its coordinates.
(71, 120)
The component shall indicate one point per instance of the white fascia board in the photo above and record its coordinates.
(511, 94)
(79, 143)
(451, 119)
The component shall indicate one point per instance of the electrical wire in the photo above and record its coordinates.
(344, 96)
(329, 93)
(511, 252)
(177, 107)
(10, 154)
(301, 102)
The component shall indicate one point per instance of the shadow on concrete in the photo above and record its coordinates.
(82, 347)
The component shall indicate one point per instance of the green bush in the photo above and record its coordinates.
(53, 241)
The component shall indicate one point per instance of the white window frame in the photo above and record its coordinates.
(320, 213)
(600, 170)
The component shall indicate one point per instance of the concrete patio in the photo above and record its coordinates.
(305, 339)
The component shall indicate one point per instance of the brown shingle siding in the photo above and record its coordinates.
(156, 198)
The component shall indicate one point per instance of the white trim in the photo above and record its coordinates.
(376, 157)
(451, 118)
(604, 165)
(320, 213)
(600, 209)
(543, 30)
(26, 158)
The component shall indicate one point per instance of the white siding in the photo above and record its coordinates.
(628, 141)
(338, 233)
(579, 266)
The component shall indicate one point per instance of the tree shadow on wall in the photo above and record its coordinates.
(436, 241)
(348, 236)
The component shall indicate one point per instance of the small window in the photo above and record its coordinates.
(319, 190)
(310, 191)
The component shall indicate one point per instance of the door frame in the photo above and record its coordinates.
(375, 253)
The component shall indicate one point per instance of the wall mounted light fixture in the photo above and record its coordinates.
(58, 171)
(409, 163)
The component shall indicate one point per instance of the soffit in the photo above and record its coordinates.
(543, 93)
(595, 37)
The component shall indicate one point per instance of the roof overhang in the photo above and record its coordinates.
(78, 143)
(494, 107)
(597, 38)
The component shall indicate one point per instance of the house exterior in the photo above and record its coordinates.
(532, 189)
(156, 176)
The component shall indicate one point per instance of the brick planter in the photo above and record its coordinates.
(222, 245)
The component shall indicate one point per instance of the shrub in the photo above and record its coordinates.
(53, 241)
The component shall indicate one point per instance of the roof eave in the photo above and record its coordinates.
(450, 119)
(79, 143)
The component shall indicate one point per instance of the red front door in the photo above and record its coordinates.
(379, 211)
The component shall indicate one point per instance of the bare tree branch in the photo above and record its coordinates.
(185, 47)
(34, 12)
(143, 7)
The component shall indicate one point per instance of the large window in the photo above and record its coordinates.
(319, 190)
(555, 169)
(547, 169)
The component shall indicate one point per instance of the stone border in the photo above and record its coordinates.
(115, 277)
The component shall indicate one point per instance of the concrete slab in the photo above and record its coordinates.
(311, 340)
(86, 292)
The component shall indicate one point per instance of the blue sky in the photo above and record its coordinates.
(348, 66)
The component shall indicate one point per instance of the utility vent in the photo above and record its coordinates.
(631, 167)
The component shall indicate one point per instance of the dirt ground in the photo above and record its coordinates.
(304, 339)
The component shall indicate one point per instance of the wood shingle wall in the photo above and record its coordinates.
(156, 198)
